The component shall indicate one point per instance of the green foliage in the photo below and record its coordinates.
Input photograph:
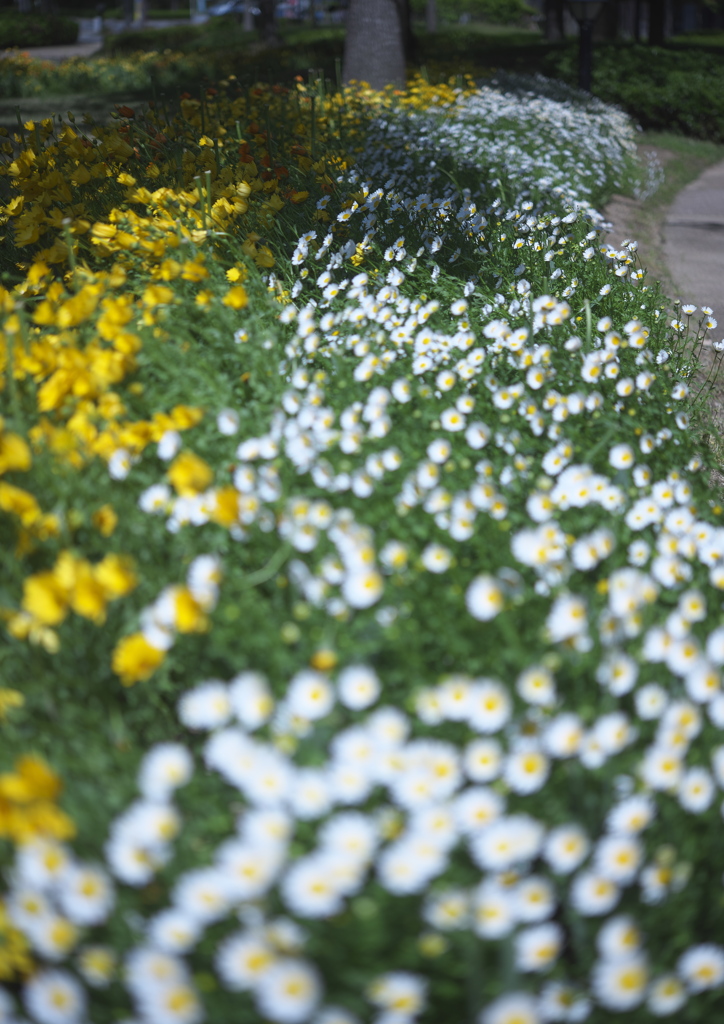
(176, 37)
(36, 29)
(676, 88)
(497, 12)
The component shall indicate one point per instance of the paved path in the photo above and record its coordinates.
(694, 241)
(58, 53)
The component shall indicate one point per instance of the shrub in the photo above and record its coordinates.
(36, 29)
(663, 89)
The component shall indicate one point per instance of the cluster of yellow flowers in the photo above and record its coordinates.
(15, 959)
(28, 811)
(15, 456)
(28, 805)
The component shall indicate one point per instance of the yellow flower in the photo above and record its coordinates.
(24, 627)
(15, 960)
(185, 416)
(87, 596)
(157, 295)
(97, 963)
(116, 575)
(45, 599)
(190, 617)
(43, 818)
(14, 452)
(103, 232)
(323, 660)
(105, 520)
(37, 272)
(189, 474)
(226, 506)
(19, 503)
(236, 274)
(9, 699)
(204, 298)
(194, 271)
(134, 659)
(33, 780)
(264, 257)
(236, 297)
(169, 270)
(80, 175)
(78, 308)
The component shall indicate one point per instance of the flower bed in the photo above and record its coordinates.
(361, 572)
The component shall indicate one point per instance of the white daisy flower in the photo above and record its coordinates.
(54, 997)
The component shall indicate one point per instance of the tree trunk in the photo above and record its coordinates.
(408, 38)
(313, 12)
(140, 12)
(431, 15)
(657, 22)
(374, 49)
(248, 18)
(554, 24)
(268, 23)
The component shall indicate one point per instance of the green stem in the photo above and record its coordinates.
(21, 130)
(314, 126)
(67, 235)
(10, 372)
(202, 203)
(271, 568)
(473, 976)
(269, 140)
(608, 436)
(207, 175)
(589, 324)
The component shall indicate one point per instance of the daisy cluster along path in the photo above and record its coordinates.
(362, 478)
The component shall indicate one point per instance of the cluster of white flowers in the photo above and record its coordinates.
(559, 145)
